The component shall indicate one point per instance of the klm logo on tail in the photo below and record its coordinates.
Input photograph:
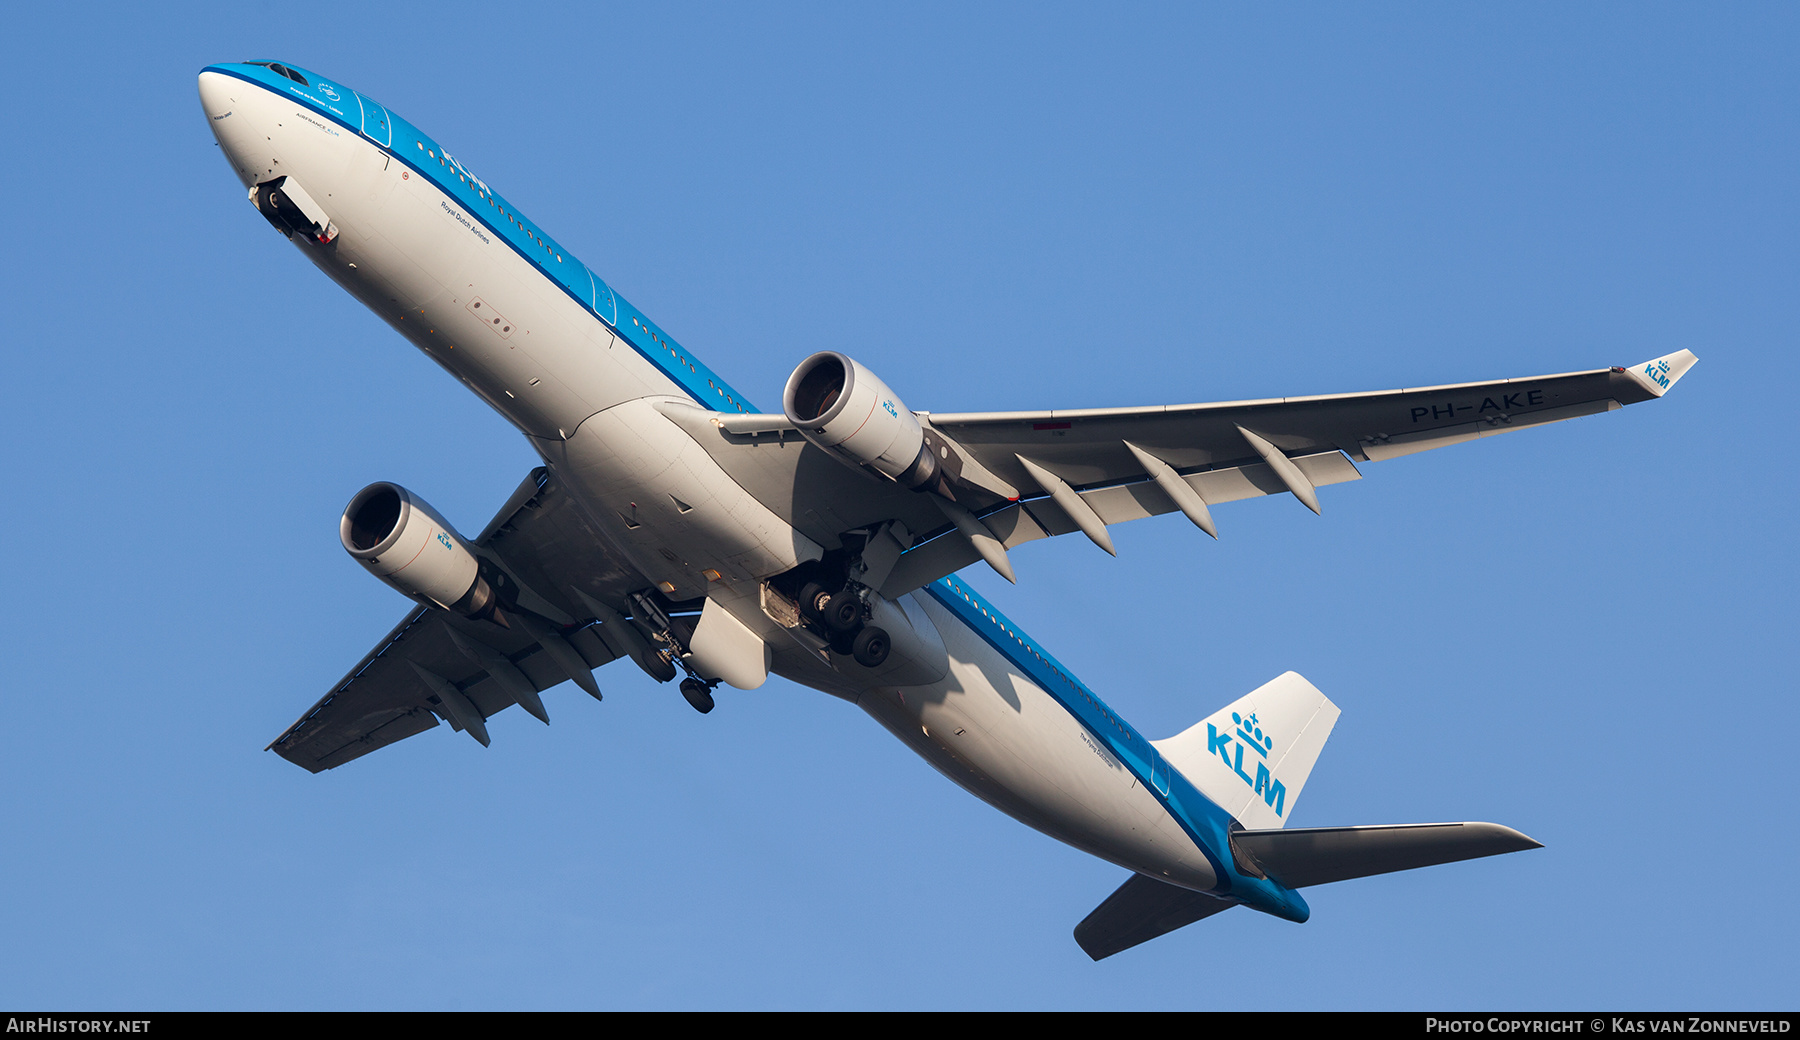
(1230, 745)
(1280, 726)
(1658, 372)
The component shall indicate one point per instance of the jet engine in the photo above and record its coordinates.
(845, 409)
(405, 543)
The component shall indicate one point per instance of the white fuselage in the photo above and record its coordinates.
(593, 408)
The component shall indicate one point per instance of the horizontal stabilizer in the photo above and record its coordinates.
(1142, 909)
(1321, 855)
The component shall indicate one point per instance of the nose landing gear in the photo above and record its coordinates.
(698, 694)
(287, 206)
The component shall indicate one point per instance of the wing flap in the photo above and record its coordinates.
(946, 552)
(397, 727)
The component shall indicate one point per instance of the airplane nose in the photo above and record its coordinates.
(215, 95)
(223, 100)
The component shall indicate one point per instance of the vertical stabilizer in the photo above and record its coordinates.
(1254, 755)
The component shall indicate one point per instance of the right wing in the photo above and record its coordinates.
(437, 666)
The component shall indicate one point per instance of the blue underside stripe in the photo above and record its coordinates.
(1205, 823)
(1197, 817)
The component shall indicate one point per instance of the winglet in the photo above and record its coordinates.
(1661, 374)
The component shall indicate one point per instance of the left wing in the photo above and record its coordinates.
(437, 666)
(1089, 468)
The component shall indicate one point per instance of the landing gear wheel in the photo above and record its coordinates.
(697, 694)
(657, 666)
(813, 598)
(871, 646)
(843, 613)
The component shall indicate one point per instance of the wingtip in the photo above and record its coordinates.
(1659, 375)
(1500, 833)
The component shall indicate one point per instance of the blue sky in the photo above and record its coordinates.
(1576, 631)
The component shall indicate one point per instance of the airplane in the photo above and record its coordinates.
(675, 524)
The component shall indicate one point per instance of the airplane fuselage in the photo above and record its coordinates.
(598, 389)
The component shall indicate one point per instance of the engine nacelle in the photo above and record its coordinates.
(845, 409)
(405, 543)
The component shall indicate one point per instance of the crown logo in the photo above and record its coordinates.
(1250, 733)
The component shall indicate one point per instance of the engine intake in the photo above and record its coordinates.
(400, 539)
(841, 406)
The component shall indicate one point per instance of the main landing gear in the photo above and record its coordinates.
(843, 614)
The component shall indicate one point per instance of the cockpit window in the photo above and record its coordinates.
(282, 70)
